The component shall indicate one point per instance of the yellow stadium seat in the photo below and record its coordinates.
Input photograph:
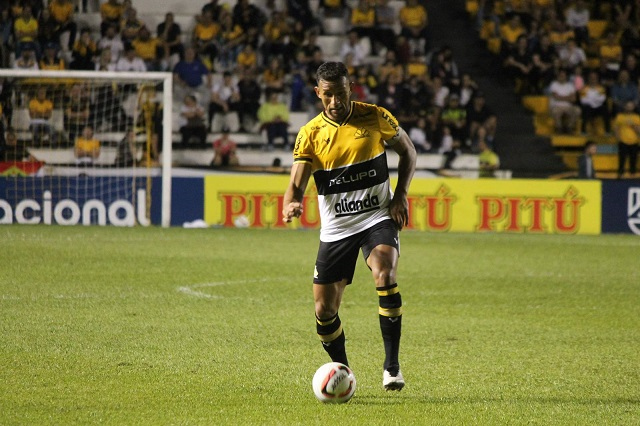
(472, 7)
(565, 141)
(597, 28)
(539, 104)
(494, 44)
(605, 162)
(543, 124)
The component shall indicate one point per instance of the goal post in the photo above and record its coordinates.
(51, 122)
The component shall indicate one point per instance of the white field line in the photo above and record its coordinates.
(193, 290)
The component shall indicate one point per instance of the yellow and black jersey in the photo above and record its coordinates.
(349, 167)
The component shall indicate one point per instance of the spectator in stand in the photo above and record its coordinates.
(478, 138)
(518, 65)
(231, 42)
(130, 25)
(443, 65)
(150, 50)
(111, 40)
(27, 59)
(86, 147)
(480, 115)
(593, 102)
(169, 33)
(214, 8)
(225, 97)
(418, 135)
(489, 161)
(586, 170)
(126, 156)
(26, 31)
(562, 103)
(355, 46)
(273, 77)
(416, 99)
(390, 93)
(130, 61)
(104, 62)
(333, 9)
(631, 66)
(204, 38)
(51, 60)
(559, 33)
(544, 62)
(577, 17)
(610, 54)
(413, 26)
(191, 76)
(6, 37)
(192, 122)
(363, 22)
(247, 59)
(300, 11)
(274, 34)
(15, 150)
(468, 89)
(310, 46)
(389, 66)
(224, 149)
(47, 29)
(572, 55)
(386, 20)
(111, 15)
(251, 19)
(84, 52)
(626, 126)
(511, 31)
(454, 116)
(630, 39)
(77, 111)
(250, 93)
(622, 91)
(274, 119)
(40, 112)
(62, 12)
(440, 92)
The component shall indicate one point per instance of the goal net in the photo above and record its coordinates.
(82, 147)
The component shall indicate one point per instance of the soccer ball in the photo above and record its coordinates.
(334, 382)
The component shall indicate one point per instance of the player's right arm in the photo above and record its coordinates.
(292, 203)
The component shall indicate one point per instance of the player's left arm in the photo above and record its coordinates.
(399, 206)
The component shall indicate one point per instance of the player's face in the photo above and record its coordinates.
(335, 98)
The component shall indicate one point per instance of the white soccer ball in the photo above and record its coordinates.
(241, 221)
(334, 382)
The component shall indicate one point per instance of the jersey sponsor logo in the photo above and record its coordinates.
(392, 122)
(353, 207)
(352, 178)
(318, 127)
(362, 133)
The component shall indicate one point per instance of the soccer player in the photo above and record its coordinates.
(344, 148)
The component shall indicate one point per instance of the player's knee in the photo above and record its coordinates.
(325, 309)
(383, 275)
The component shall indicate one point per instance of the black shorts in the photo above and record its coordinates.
(337, 260)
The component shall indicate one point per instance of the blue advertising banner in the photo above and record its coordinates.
(621, 206)
(97, 200)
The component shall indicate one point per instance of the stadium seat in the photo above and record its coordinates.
(20, 119)
(565, 141)
(335, 26)
(536, 104)
(330, 45)
(597, 28)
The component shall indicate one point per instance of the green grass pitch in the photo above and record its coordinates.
(215, 326)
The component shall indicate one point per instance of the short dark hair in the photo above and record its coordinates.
(332, 71)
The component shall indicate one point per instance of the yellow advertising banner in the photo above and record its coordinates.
(436, 205)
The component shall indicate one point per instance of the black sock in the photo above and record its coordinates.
(332, 338)
(390, 314)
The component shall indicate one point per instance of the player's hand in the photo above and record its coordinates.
(292, 210)
(399, 211)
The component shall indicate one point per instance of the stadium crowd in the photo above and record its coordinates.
(234, 58)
